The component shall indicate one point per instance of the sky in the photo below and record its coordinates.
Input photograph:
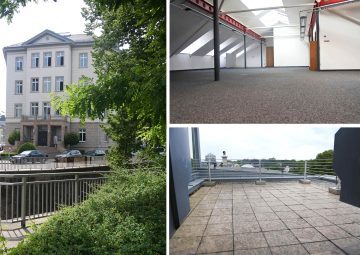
(60, 16)
(266, 141)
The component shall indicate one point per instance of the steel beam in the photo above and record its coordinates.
(261, 53)
(318, 39)
(245, 51)
(216, 41)
(269, 8)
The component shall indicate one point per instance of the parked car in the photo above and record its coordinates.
(95, 153)
(32, 156)
(68, 155)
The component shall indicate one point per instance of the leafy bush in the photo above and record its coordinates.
(26, 147)
(7, 154)
(71, 139)
(126, 216)
(14, 136)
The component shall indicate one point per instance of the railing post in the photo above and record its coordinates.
(305, 169)
(76, 188)
(209, 171)
(23, 202)
(260, 168)
(305, 180)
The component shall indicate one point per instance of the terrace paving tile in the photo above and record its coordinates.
(211, 244)
(350, 245)
(306, 235)
(272, 225)
(246, 227)
(353, 228)
(280, 237)
(296, 249)
(325, 247)
(184, 246)
(257, 251)
(249, 240)
(218, 229)
(332, 232)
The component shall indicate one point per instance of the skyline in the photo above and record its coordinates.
(32, 20)
(266, 141)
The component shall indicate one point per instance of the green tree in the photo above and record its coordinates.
(129, 60)
(328, 154)
(14, 136)
(26, 147)
(71, 139)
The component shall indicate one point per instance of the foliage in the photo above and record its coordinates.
(130, 64)
(329, 154)
(14, 136)
(71, 139)
(7, 154)
(26, 147)
(126, 216)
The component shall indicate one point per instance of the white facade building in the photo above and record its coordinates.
(37, 68)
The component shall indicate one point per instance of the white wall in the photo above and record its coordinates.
(290, 51)
(339, 43)
(188, 62)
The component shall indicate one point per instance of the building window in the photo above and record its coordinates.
(35, 60)
(47, 59)
(34, 84)
(46, 109)
(34, 109)
(19, 63)
(59, 83)
(59, 58)
(47, 84)
(58, 112)
(18, 110)
(82, 135)
(83, 60)
(106, 138)
(18, 87)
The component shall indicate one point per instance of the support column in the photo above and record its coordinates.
(49, 135)
(318, 39)
(245, 51)
(21, 132)
(196, 144)
(216, 41)
(261, 52)
(35, 134)
(62, 133)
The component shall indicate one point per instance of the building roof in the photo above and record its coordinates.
(58, 39)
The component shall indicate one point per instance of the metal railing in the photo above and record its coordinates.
(262, 169)
(31, 196)
(40, 164)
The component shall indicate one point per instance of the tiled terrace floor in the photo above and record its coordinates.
(277, 218)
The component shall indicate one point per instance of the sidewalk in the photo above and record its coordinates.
(14, 233)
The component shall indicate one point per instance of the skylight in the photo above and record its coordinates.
(200, 42)
(255, 4)
(273, 17)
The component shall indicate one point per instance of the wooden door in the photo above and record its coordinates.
(269, 56)
(313, 56)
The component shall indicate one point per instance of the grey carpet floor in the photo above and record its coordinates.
(269, 95)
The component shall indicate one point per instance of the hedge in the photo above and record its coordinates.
(126, 216)
(26, 147)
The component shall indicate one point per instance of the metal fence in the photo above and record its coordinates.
(39, 164)
(30, 196)
(262, 169)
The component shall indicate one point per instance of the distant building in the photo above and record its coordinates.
(42, 65)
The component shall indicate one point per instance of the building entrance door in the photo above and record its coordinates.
(42, 136)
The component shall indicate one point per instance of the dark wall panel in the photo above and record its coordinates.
(347, 164)
(180, 170)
